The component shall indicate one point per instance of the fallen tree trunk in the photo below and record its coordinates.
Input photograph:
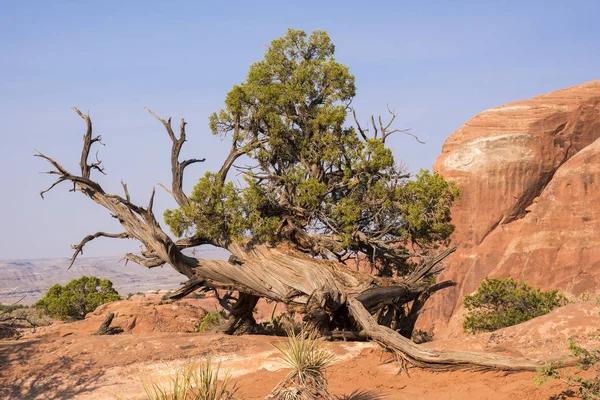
(330, 294)
(423, 357)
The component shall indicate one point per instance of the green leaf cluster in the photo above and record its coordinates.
(77, 298)
(588, 387)
(210, 320)
(499, 303)
(307, 171)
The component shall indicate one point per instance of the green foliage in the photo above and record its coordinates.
(307, 171)
(427, 220)
(588, 388)
(210, 320)
(281, 324)
(198, 381)
(77, 298)
(499, 303)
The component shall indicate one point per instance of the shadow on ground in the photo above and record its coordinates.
(362, 395)
(31, 380)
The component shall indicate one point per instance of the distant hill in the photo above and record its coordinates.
(32, 277)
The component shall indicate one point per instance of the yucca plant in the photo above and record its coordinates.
(308, 359)
(194, 381)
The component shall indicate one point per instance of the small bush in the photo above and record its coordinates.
(77, 298)
(210, 320)
(281, 324)
(587, 388)
(499, 303)
(308, 359)
(199, 381)
(420, 336)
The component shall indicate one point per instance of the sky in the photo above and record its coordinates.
(436, 63)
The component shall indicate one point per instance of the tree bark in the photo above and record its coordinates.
(327, 291)
(104, 328)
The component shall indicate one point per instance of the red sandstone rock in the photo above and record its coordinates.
(529, 174)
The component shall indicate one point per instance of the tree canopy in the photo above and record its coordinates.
(330, 189)
(317, 193)
(77, 298)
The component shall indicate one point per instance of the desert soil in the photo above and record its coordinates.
(65, 361)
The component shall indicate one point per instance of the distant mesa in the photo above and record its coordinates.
(31, 278)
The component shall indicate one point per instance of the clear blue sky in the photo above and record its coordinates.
(437, 63)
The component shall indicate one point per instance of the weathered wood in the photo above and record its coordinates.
(323, 288)
(424, 357)
(190, 286)
(104, 328)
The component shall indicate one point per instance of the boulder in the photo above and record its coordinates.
(529, 174)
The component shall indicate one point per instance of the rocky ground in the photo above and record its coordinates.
(65, 361)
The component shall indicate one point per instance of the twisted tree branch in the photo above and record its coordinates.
(79, 247)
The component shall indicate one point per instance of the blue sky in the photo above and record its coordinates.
(437, 63)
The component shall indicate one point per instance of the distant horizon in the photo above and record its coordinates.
(83, 257)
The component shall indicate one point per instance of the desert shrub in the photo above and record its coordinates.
(210, 320)
(77, 298)
(588, 388)
(499, 303)
(281, 324)
(13, 317)
(195, 381)
(308, 359)
(420, 336)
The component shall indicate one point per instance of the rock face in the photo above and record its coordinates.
(529, 174)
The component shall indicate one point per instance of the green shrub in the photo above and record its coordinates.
(77, 298)
(499, 303)
(588, 388)
(211, 320)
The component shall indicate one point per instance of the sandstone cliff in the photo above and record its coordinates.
(529, 174)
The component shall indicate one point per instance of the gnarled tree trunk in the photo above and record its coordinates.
(326, 290)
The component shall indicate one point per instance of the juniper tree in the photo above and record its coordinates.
(318, 193)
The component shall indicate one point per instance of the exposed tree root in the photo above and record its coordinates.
(440, 360)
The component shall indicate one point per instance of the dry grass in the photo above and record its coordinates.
(308, 359)
(195, 381)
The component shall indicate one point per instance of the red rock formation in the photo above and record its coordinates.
(529, 174)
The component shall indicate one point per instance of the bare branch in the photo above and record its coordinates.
(177, 167)
(126, 191)
(166, 189)
(79, 247)
(194, 241)
(236, 153)
(360, 129)
(87, 145)
(151, 202)
(60, 180)
(148, 262)
(167, 124)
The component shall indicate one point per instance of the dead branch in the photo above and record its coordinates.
(177, 167)
(79, 247)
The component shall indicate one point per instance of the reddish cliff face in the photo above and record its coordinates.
(529, 174)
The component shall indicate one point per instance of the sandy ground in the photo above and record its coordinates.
(65, 361)
(102, 367)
